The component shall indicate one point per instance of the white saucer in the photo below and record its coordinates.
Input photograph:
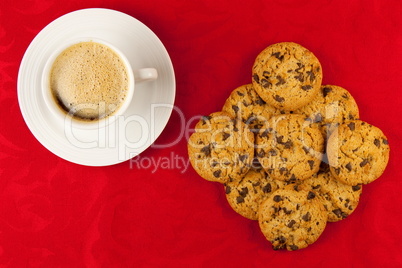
(143, 121)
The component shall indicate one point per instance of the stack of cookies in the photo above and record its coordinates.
(291, 153)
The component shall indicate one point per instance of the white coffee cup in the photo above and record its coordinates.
(134, 76)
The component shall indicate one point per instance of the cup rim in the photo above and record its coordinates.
(65, 117)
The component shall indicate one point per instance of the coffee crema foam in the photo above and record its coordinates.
(89, 80)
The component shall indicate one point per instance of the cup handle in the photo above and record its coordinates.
(145, 74)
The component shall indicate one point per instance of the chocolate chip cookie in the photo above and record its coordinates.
(331, 107)
(339, 199)
(246, 195)
(287, 75)
(292, 218)
(221, 148)
(246, 104)
(357, 152)
(290, 148)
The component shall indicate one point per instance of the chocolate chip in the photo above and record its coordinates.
(256, 78)
(297, 207)
(349, 166)
(351, 126)
(228, 189)
(385, 141)
(356, 187)
(301, 66)
(337, 171)
(311, 163)
(287, 212)
(243, 157)
(326, 90)
(265, 83)
(264, 134)
(239, 199)
(311, 75)
(259, 101)
(307, 216)
(364, 162)
(281, 239)
(214, 163)
(225, 136)
(292, 179)
(243, 192)
(310, 195)
(217, 173)
(293, 247)
(266, 74)
(206, 150)
(283, 170)
(279, 139)
(291, 223)
(300, 77)
(279, 98)
(278, 56)
(377, 143)
(240, 93)
(281, 81)
(318, 117)
(306, 87)
(235, 108)
(267, 188)
(261, 153)
(256, 128)
(305, 149)
(235, 129)
(272, 152)
(256, 184)
(277, 198)
(276, 209)
(345, 96)
(337, 212)
(288, 144)
(316, 187)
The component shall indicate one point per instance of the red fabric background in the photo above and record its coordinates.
(57, 214)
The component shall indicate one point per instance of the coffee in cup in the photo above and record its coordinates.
(88, 81)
